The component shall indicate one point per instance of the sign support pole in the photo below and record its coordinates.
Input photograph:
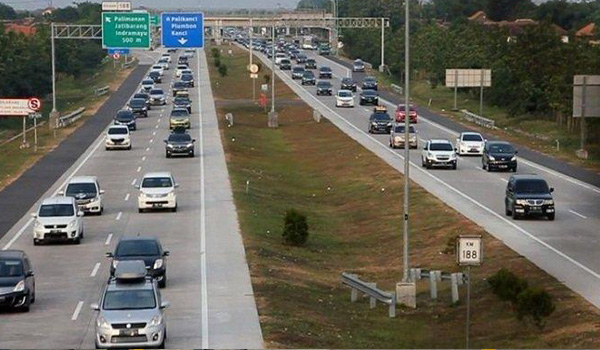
(34, 134)
(455, 90)
(468, 305)
(481, 95)
(583, 124)
(54, 110)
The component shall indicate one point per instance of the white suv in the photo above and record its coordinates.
(58, 218)
(470, 143)
(117, 137)
(87, 193)
(438, 153)
(157, 191)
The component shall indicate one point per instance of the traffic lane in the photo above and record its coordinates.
(587, 176)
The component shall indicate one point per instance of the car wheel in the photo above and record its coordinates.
(551, 216)
(129, 148)
(454, 166)
(81, 234)
(514, 169)
(174, 209)
(140, 210)
(163, 282)
(36, 242)
(422, 162)
(489, 168)
(506, 211)
(33, 295)
(26, 306)
(483, 165)
(167, 155)
(192, 155)
(77, 240)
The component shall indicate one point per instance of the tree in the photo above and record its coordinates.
(7, 12)
(499, 10)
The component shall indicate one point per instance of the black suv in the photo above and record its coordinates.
(144, 248)
(183, 102)
(528, 195)
(297, 72)
(348, 84)
(368, 96)
(146, 98)
(324, 88)
(325, 72)
(499, 155)
(179, 86)
(179, 143)
(16, 280)
(308, 78)
(155, 76)
(369, 83)
(138, 107)
(127, 118)
(310, 64)
(285, 64)
(380, 122)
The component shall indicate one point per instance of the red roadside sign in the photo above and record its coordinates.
(262, 99)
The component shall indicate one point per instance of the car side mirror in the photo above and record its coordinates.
(455, 149)
(62, 193)
(484, 140)
(101, 191)
(137, 186)
(165, 304)
(80, 213)
(33, 215)
(551, 189)
(30, 273)
(193, 140)
(165, 141)
(109, 255)
(166, 253)
(176, 185)
(516, 151)
(95, 306)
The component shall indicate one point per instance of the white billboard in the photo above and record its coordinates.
(592, 95)
(468, 77)
(18, 106)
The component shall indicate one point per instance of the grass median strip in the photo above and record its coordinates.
(353, 201)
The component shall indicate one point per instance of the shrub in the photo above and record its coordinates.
(506, 285)
(223, 70)
(267, 78)
(217, 62)
(215, 52)
(295, 228)
(534, 303)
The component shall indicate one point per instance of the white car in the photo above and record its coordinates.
(180, 69)
(438, 152)
(189, 53)
(166, 56)
(87, 193)
(344, 98)
(163, 63)
(278, 57)
(58, 218)
(470, 143)
(147, 85)
(159, 69)
(117, 137)
(157, 191)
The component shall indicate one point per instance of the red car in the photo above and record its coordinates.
(400, 114)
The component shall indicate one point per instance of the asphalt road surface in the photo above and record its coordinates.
(566, 248)
(212, 302)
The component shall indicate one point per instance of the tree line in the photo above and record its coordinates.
(26, 60)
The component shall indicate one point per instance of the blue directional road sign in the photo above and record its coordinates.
(182, 30)
(112, 51)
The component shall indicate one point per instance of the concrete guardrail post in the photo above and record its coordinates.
(433, 284)
(454, 287)
(372, 301)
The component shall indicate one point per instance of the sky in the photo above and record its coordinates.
(200, 4)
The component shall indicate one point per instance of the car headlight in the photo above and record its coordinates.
(453, 156)
(513, 158)
(492, 158)
(521, 202)
(548, 202)
(156, 320)
(20, 286)
(158, 263)
(190, 145)
(101, 322)
(373, 123)
(389, 124)
(38, 225)
(397, 139)
(115, 263)
(429, 155)
(169, 146)
(144, 108)
(72, 223)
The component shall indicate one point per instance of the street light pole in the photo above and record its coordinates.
(273, 69)
(405, 275)
(335, 28)
(54, 110)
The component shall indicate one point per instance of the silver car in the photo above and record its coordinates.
(131, 311)
(158, 97)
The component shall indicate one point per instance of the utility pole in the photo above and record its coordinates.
(405, 275)
(53, 119)
(382, 66)
(273, 70)
(250, 33)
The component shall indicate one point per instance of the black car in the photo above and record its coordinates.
(310, 64)
(155, 76)
(147, 249)
(369, 96)
(324, 88)
(182, 60)
(179, 143)
(138, 107)
(499, 155)
(285, 64)
(17, 284)
(127, 118)
(297, 72)
(145, 96)
(179, 86)
(380, 122)
(348, 84)
(188, 80)
(301, 58)
(528, 195)
(325, 72)
(308, 78)
(369, 83)
(183, 102)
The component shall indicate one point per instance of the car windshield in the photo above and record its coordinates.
(400, 129)
(78, 188)
(532, 186)
(11, 268)
(118, 131)
(181, 100)
(180, 138)
(369, 93)
(148, 82)
(347, 81)
(370, 80)
(325, 69)
(472, 137)
(141, 247)
(131, 299)
(308, 74)
(402, 108)
(310, 60)
(137, 102)
(344, 94)
(124, 115)
(157, 182)
(187, 77)
(285, 61)
(441, 147)
(182, 67)
(501, 149)
(157, 92)
(144, 96)
(179, 113)
(157, 67)
(380, 116)
(324, 84)
(179, 85)
(51, 210)
(298, 69)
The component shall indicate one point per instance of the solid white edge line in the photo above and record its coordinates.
(576, 213)
(472, 200)
(203, 269)
(77, 310)
(95, 270)
(107, 242)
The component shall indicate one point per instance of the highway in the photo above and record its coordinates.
(566, 248)
(209, 288)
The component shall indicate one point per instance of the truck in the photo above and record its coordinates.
(309, 42)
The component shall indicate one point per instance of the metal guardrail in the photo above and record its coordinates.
(129, 64)
(397, 89)
(71, 117)
(456, 279)
(479, 120)
(102, 90)
(370, 289)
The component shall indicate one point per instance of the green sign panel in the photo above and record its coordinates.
(155, 20)
(125, 30)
